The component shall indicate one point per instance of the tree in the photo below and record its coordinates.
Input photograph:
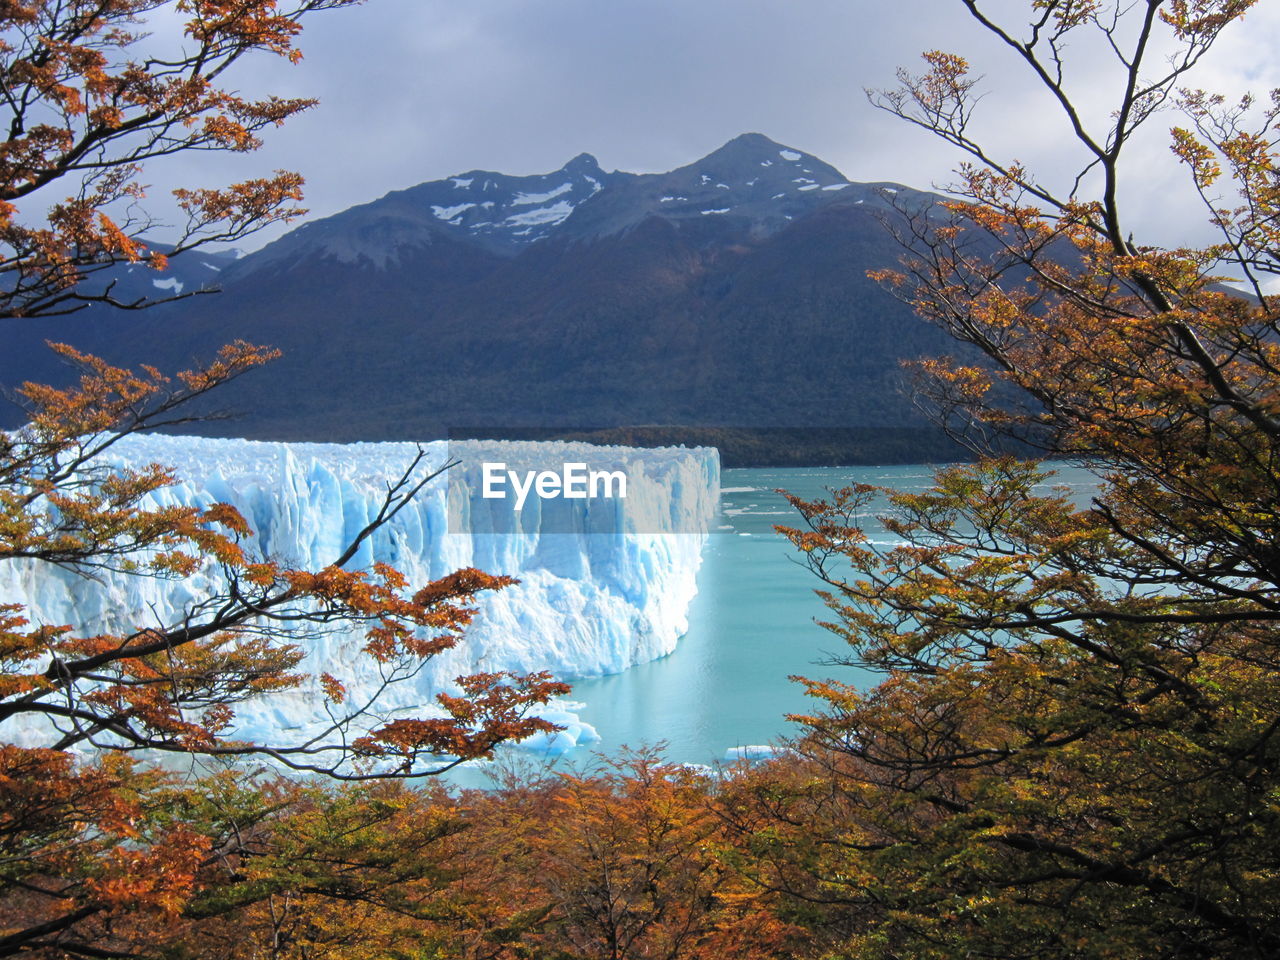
(628, 868)
(623, 862)
(1074, 748)
(98, 847)
(368, 871)
(90, 95)
(172, 687)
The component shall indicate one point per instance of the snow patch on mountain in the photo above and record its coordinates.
(450, 213)
(525, 199)
(547, 215)
(765, 184)
(510, 212)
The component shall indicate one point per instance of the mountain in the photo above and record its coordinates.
(488, 210)
(728, 295)
(195, 271)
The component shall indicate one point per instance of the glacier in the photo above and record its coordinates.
(588, 603)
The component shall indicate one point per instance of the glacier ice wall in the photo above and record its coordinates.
(587, 604)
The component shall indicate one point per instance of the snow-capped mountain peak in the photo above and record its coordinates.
(504, 211)
(751, 178)
(761, 186)
(496, 211)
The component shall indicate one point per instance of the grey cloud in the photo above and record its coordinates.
(413, 90)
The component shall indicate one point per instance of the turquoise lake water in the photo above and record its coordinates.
(751, 626)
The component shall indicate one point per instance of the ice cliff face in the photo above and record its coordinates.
(588, 603)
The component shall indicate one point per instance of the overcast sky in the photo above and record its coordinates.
(415, 90)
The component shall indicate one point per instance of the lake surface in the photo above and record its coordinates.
(751, 626)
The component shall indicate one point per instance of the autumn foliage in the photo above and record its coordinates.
(100, 845)
(1072, 750)
(91, 94)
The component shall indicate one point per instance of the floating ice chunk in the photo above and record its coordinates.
(576, 732)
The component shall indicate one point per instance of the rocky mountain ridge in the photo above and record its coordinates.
(729, 294)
